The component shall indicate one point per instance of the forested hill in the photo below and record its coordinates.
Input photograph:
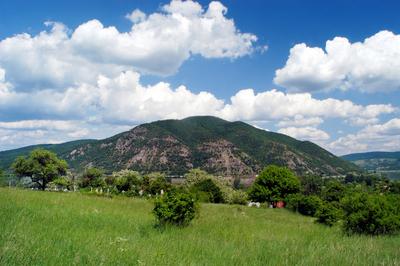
(215, 145)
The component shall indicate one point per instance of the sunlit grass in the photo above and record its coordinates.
(44, 228)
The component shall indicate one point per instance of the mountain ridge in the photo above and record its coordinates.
(213, 144)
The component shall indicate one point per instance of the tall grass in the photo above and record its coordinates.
(44, 228)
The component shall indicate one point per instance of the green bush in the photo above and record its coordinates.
(153, 183)
(92, 177)
(176, 207)
(207, 191)
(60, 183)
(274, 183)
(3, 179)
(371, 214)
(328, 214)
(292, 201)
(237, 197)
(309, 205)
(126, 180)
(333, 191)
(306, 205)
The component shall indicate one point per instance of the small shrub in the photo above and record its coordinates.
(292, 201)
(92, 177)
(126, 180)
(309, 205)
(238, 197)
(328, 214)
(371, 214)
(208, 191)
(175, 208)
(153, 183)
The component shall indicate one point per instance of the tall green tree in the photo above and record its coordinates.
(274, 183)
(92, 177)
(42, 166)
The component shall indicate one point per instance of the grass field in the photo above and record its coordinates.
(45, 228)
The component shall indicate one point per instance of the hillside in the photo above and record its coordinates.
(215, 145)
(387, 163)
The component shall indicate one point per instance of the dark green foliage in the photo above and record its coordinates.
(3, 178)
(127, 181)
(62, 182)
(311, 184)
(274, 183)
(328, 214)
(394, 187)
(333, 191)
(306, 205)
(155, 182)
(176, 207)
(309, 205)
(92, 177)
(292, 201)
(371, 214)
(208, 191)
(42, 166)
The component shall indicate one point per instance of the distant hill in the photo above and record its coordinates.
(387, 163)
(7, 157)
(215, 145)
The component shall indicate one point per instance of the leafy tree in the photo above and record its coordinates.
(328, 214)
(372, 214)
(311, 184)
(309, 205)
(195, 176)
(92, 177)
(127, 180)
(42, 166)
(333, 191)
(274, 183)
(153, 183)
(306, 205)
(208, 191)
(175, 207)
(61, 182)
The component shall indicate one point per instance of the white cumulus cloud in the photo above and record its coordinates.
(305, 133)
(157, 43)
(379, 137)
(369, 66)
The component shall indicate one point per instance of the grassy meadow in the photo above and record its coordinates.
(48, 228)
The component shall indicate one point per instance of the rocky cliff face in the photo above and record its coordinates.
(215, 145)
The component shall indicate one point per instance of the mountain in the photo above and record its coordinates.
(215, 145)
(387, 163)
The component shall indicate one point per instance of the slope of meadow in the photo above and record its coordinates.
(45, 228)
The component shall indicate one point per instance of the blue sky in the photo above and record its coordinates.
(94, 71)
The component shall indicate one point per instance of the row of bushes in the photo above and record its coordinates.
(360, 212)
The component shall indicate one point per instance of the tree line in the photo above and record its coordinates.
(360, 203)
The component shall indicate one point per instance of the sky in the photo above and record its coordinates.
(323, 71)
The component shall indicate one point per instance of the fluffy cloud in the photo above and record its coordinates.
(158, 43)
(117, 100)
(273, 104)
(123, 101)
(369, 66)
(300, 121)
(305, 133)
(382, 137)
